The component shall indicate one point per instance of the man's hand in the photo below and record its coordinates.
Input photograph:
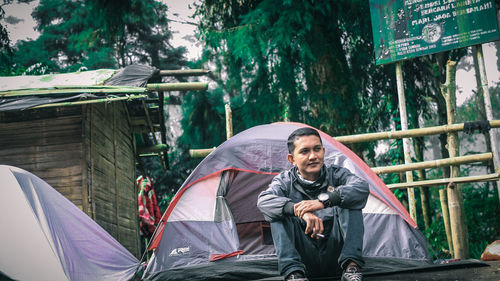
(307, 206)
(314, 224)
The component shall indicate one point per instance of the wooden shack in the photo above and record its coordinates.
(82, 140)
(87, 154)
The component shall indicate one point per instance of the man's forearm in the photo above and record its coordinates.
(288, 209)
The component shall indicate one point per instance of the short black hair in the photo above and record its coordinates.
(300, 133)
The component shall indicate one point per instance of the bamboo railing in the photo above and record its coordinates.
(200, 153)
(437, 130)
(186, 86)
(184, 72)
(434, 163)
(455, 180)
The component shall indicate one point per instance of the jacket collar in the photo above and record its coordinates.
(309, 188)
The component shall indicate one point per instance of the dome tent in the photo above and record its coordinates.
(213, 230)
(46, 237)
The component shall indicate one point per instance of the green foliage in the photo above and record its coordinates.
(293, 60)
(481, 203)
(198, 108)
(98, 34)
(470, 111)
(4, 35)
(436, 239)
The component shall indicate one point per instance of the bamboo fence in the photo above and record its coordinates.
(436, 130)
(421, 132)
(482, 157)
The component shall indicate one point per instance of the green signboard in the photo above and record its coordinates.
(405, 29)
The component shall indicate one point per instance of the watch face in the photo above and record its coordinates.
(323, 197)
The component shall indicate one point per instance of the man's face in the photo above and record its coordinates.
(308, 156)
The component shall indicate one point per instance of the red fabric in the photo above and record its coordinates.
(492, 252)
(216, 257)
(149, 211)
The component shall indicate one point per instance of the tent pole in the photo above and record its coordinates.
(488, 107)
(406, 141)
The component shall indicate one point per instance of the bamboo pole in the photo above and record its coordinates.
(488, 177)
(186, 86)
(488, 109)
(418, 147)
(229, 121)
(406, 141)
(424, 201)
(150, 149)
(446, 218)
(184, 72)
(59, 91)
(70, 103)
(436, 130)
(197, 153)
(455, 198)
(434, 163)
(163, 129)
(152, 130)
(149, 122)
(149, 154)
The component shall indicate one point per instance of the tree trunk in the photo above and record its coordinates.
(332, 105)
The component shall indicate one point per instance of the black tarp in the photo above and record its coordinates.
(130, 76)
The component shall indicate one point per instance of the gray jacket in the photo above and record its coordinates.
(351, 192)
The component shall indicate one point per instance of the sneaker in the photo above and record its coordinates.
(296, 276)
(352, 273)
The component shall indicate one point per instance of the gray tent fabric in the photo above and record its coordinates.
(222, 211)
(49, 238)
(190, 224)
(135, 75)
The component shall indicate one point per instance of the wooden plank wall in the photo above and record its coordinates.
(111, 172)
(48, 144)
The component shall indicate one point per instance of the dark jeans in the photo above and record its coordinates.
(319, 257)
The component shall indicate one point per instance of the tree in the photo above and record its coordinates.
(305, 61)
(100, 34)
(6, 50)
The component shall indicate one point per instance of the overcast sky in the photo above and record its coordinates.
(20, 25)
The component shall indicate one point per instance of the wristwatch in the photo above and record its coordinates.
(325, 199)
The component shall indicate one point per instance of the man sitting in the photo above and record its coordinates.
(315, 213)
